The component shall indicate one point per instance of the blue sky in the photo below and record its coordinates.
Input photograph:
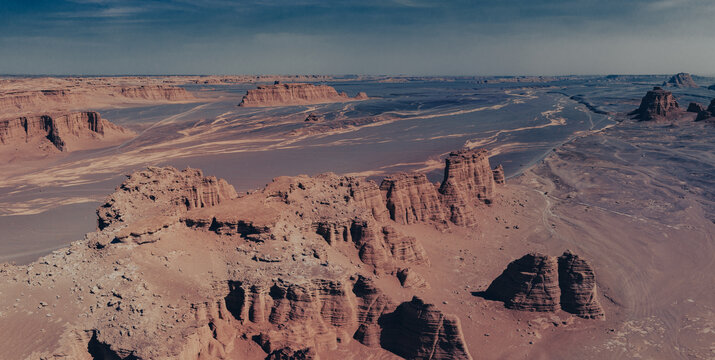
(497, 37)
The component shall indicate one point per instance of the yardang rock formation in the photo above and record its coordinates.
(280, 94)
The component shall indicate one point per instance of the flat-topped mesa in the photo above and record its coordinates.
(468, 181)
(156, 92)
(657, 104)
(62, 131)
(166, 191)
(529, 283)
(417, 330)
(294, 94)
(411, 198)
(537, 282)
(681, 80)
(579, 294)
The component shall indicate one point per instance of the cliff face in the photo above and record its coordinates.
(417, 330)
(156, 92)
(707, 114)
(695, 107)
(17, 100)
(529, 283)
(297, 269)
(537, 282)
(63, 131)
(411, 198)
(468, 180)
(656, 104)
(294, 94)
(578, 287)
(681, 80)
(165, 191)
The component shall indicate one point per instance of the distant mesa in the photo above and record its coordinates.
(537, 282)
(657, 104)
(65, 132)
(681, 80)
(695, 107)
(280, 94)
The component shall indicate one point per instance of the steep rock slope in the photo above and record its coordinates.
(65, 132)
(294, 94)
(657, 104)
(537, 282)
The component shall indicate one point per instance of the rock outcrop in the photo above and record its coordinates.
(156, 92)
(417, 330)
(695, 107)
(681, 80)
(294, 94)
(499, 175)
(411, 198)
(529, 283)
(166, 191)
(657, 104)
(578, 287)
(468, 181)
(707, 114)
(64, 131)
(711, 87)
(537, 282)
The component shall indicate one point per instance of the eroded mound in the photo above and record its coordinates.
(657, 104)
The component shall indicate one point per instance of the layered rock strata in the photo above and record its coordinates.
(417, 330)
(166, 191)
(62, 131)
(657, 104)
(294, 94)
(468, 181)
(156, 92)
(537, 282)
(579, 294)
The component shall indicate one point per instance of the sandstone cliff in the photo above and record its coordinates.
(657, 104)
(578, 287)
(165, 191)
(529, 283)
(65, 132)
(411, 198)
(707, 114)
(417, 330)
(468, 180)
(155, 92)
(294, 94)
(681, 80)
(538, 282)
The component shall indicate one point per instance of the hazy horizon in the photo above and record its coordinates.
(408, 37)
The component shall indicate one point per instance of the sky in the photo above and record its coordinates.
(411, 37)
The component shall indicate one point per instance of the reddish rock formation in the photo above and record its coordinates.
(537, 282)
(384, 247)
(681, 80)
(411, 279)
(657, 104)
(468, 180)
(18, 100)
(294, 94)
(707, 114)
(529, 283)
(156, 92)
(417, 330)
(499, 175)
(695, 107)
(63, 131)
(371, 305)
(578, 287)
(367, 194)
(411, 198)
(166, 191)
